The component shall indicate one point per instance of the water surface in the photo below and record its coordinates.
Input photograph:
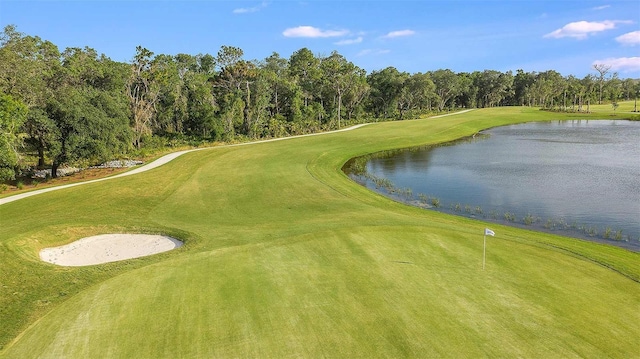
(582, 177)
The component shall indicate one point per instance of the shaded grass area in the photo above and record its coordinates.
(285, 256)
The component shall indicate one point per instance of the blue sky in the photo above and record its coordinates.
(568, 36)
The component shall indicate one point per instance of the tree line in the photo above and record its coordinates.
(80, 107)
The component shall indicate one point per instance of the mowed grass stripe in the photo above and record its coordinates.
(285, 256)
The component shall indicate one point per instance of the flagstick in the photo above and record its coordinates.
(484, 250)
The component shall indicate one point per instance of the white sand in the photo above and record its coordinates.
(107, 248)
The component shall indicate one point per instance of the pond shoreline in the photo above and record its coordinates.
(628, 244)
(380, 179)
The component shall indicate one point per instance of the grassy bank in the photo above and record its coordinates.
(285, 256)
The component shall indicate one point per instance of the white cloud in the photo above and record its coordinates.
(597, 8)
(582, 29)
(349, 41)
(310, 31)
(245, 10)
(630, 38)
(623, 64)
(373, 52)
(398, 33)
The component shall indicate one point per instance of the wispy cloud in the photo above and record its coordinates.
(310, 31)
(366, 52)
(622, 64)
(399, 33)
(246, 10)
(582, 29)
(630, 38)
(598, 8)
(349, 41)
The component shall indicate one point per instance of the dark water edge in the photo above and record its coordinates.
(355, 169)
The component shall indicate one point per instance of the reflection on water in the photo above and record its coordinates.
(582, 177)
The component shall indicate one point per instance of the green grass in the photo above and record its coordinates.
(623, 106)
(286, 257)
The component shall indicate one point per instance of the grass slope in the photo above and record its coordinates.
(285, 256)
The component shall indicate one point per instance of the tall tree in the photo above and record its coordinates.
(355, 94)
(448, 86)
(143, 92)
(87, 121)
(340, 76)
(602, 70)
(416, 92)
(577, 91)
(589, 84)
(493, 87)
(304, 68)
(522, 84)
(28, 74)
(193, 105)
(614, 91)
(13, 113)
(171, 105)
(235, 78)
(386, 87)
(628, 88)
(28, 65)
(468, 95)
(274, 71)
(636, 93)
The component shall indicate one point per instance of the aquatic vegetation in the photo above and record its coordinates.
(618, 235)
(509, 217)
(528, 219)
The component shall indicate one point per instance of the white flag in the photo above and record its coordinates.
(488, 232)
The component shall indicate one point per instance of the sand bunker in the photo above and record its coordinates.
(107, 248)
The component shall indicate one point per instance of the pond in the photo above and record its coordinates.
(578, 178)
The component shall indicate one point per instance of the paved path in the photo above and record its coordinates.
(452, 113)
(170, 157)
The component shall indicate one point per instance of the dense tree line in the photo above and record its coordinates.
(79, 107)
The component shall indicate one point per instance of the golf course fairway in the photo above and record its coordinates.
(285, 256)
